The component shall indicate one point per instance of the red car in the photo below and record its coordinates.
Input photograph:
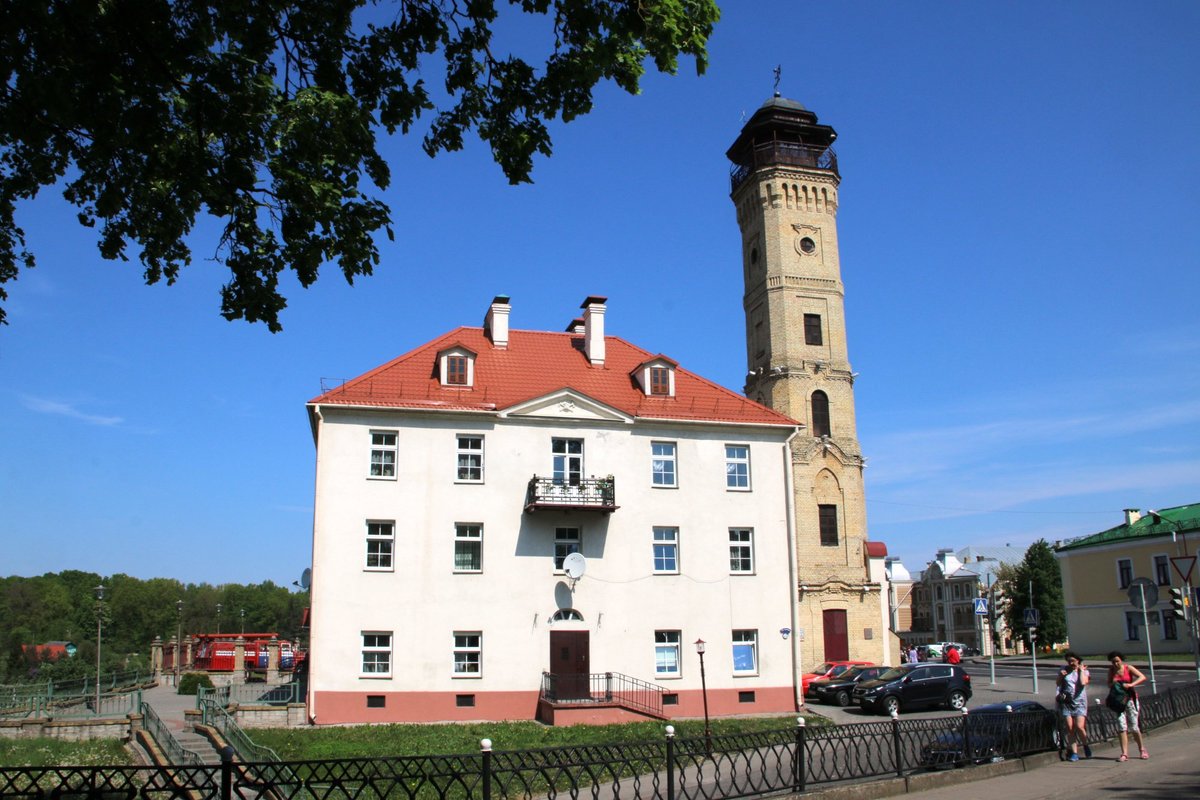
(830, 669)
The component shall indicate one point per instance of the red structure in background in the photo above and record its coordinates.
(214, 651)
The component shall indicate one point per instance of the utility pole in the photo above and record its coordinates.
(1033, 640)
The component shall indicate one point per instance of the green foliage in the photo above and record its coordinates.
(1040, 569)
(190, 682)
(409, 740)
(264, 115)
(57, 752)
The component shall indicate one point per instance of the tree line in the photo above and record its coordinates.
(62, 607)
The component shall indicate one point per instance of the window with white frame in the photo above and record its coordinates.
(662, 463)
(568, 461)
(745, 652)
(468, 547)
(1124, 573)
(1170, 632)
(383, 454)
(1132, 620)
(468, 654)
(666, 550)
(566, 541)
(741, 551)
(666, 654)
(737, 467)
(1162, 570)
(470, 458)
(381, 543)
(376, 654)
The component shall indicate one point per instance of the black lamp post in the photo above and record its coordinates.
(704, 692)
(243, 620)
(178, 638)
(218, 619)
(99, 619)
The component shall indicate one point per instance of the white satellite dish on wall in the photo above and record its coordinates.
(575, 565)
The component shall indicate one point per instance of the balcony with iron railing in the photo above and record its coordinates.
(778, 153)
(579, 494)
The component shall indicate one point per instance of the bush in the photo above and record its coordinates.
(189, 682)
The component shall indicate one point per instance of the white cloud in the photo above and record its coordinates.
(43, 406)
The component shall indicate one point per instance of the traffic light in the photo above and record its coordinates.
(999, 602)
(1179, 604)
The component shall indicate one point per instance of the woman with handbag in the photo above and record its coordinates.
(1072, 703)
(1124, 677)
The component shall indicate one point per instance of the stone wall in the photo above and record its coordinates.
(73, 730)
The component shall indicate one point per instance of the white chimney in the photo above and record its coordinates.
(1132, 515)
(593, 329)
(576, 326)
(495, 324)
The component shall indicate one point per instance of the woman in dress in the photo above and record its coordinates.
(1072, 703)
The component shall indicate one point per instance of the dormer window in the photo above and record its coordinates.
(656, 377)
(660, 381)
(456, 367)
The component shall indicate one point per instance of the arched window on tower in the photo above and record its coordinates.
(820, 414)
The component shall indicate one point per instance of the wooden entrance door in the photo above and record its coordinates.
(569, 663)
(837, 639)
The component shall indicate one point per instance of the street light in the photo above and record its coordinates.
(178, 639)
(218, 619)
(243, 620)
(704, 693)
(99, 618)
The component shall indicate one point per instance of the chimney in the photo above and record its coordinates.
(495, 324)
(576, 326)
(593, 329)
(1132, 515)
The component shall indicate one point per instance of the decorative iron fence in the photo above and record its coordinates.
(252, 694)
(172, 749)
(594, 493)
(788, 153)
(15, 695)
(727, 766)
(72, 706)
(603, 687)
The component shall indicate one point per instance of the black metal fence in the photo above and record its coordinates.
(734, 766)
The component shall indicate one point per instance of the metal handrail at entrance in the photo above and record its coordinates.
(595, 494)
(603, 688)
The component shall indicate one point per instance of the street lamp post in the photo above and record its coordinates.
(704, 693)
(99, 620)
(218, 619)
(178, 638)
(243, 620)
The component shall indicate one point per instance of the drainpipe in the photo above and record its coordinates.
(793, 584)
(310, 700)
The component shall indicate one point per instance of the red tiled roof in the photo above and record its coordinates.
(538, 363)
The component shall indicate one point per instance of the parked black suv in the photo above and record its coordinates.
(837, 690)
(913, 686)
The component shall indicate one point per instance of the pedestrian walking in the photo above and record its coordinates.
(1122, 678)
(1072, 703)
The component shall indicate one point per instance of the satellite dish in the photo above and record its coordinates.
(306, 578)
(575, 565)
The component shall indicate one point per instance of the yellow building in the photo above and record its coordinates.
(1098, 572)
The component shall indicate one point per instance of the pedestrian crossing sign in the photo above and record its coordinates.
(981, 606)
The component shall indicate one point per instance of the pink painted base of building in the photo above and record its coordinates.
(342, 708)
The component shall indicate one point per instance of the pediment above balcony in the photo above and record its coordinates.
(567, 404)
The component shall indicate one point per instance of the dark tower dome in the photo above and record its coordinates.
(782, 131)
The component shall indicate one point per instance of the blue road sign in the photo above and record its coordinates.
(1032, 617)
(981, 606)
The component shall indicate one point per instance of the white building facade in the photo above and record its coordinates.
(455, 483)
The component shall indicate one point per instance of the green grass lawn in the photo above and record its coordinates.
(302, 744)
(55, 752)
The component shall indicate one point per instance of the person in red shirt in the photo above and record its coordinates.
(952, 656)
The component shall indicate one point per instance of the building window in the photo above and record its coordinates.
(1169, 631)
(381, 540)
(745, 697)
(737, 466)
(670, 698)
(660, 381)
(1132, 618)
(468, 548)
(820, 414)
(827, 518)
(956, 591)
(568, 461)
(666, 654)
(470, 458)
(456, 370)
(464, 700)
(376, 701)
(1124, 573)
(662, 463)
(1162, 571)
(566, 541)
(812, 329)
(468, 654)
(666, 550)
(745, 652)
(741, 551)
(376, 654)
(383, 454)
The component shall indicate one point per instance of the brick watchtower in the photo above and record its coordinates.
(785, 189)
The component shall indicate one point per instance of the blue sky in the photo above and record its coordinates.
(1019, 238)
